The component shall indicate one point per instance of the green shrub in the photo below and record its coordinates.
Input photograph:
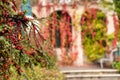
(37, 73)
(116, 65)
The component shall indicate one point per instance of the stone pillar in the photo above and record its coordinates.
(77, 47)
(110, 25)
(77, 32)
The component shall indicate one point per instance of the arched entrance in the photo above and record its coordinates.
(94, 34)
(60, 30)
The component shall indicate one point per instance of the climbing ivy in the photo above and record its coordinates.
(117, 6)
(94, 37)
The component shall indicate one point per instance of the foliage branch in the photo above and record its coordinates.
(22, 45)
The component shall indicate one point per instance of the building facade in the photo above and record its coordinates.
(74, 11)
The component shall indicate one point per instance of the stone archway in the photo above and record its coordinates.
(60, 29)
(94, 34)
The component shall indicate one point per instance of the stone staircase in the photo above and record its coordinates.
(90, 74)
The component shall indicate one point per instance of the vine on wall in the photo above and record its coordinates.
(116, 18)
(60, 34)
(94, 37)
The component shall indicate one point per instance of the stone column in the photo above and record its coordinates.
(110, 25)
(77, 32)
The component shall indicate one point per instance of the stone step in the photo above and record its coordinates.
(102, 78)
(90, 71)
(91, 74)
